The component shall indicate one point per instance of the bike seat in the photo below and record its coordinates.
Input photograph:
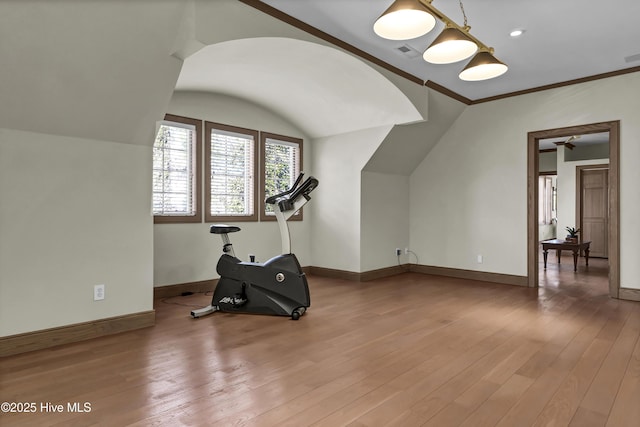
(223, 229)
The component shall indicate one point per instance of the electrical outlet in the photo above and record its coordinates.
(398, 251)
(479, 259)
(98, 292)
(406, 251)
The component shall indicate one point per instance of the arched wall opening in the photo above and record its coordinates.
(343, 106)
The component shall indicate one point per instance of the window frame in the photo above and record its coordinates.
(547, 198)
(209, 217)
(197, 187)
(264, 216)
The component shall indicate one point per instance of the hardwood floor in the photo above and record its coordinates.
(588, 281)
(410, 350)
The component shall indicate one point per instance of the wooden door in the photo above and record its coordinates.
(594, 210)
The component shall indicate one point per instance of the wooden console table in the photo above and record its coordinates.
(559, 245)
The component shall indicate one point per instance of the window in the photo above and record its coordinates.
(280, 165)
(175, 170)
(230, 175)
(231, 178)
(547, 199)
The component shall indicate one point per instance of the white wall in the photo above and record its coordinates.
(75, 213)
(465, 197)
(384, 220)
(548, 161)
(406, 145)
(188, 252)
(337, 163)
(468, 196)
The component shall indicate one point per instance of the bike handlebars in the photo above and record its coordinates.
(272, 200)
(286, 199)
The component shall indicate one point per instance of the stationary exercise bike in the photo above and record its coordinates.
(277, 286)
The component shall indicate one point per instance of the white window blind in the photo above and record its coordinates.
(232, 181)
(173, 170)
(281, 165)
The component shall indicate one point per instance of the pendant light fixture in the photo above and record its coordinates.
(452, 45)
(406, 19)
(483, 66)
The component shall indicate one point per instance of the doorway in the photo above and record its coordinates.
(612, 227)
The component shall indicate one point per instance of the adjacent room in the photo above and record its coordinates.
(573, 192)
(461, 247)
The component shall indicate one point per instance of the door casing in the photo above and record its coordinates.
(533, 138)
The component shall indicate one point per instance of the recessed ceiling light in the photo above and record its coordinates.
(517, 32)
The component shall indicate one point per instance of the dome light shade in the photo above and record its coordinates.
(404, 20)
(452, 45)
(483, 66)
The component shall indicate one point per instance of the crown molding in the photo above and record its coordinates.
(275, 13)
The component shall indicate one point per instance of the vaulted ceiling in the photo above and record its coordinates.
(106, 70)
(98, 70)
(321, 89)
(562, 40)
